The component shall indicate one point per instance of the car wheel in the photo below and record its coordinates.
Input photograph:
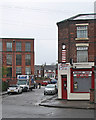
(44, 93)
(8, 93)
(18, 91)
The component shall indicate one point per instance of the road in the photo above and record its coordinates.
(26, 105)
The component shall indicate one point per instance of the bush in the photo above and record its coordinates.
(4, 85)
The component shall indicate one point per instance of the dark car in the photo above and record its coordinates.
(53, 81)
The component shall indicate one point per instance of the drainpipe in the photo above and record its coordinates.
(95, 84)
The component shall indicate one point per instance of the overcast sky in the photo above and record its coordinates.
(37, 19)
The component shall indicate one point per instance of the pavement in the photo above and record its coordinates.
(71, 104)
(3, 93)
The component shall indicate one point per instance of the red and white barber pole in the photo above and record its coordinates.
(64, 56)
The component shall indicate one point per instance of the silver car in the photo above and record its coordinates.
(14, 89)
(50, 89)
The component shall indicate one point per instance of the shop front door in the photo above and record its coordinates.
(64, 86)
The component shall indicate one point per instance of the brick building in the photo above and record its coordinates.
(76, 56)
(17, 57)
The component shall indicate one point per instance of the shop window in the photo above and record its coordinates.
(18, 59)
(82, 32)
(82, 54)
(9, 59)
(82, 84)
(27, 46)
(9, 46)
(27, 70)
(18, 71)
(18, 46)
(82, 81)
(28, 60)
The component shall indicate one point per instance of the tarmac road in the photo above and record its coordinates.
(26, 105)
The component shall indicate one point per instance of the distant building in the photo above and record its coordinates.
(46, 71)
(38, 72)
(17, 57)
(76, 56)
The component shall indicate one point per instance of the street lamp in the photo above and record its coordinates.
(13, 59)
(63, 46)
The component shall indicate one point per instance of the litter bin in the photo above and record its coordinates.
(91, 95)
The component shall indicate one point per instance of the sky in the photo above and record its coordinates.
(37, 19)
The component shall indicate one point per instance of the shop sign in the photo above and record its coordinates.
(82, 74)
(63, 66)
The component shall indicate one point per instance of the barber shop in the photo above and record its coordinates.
(74, 83)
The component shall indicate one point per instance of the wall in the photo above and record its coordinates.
(67, 35)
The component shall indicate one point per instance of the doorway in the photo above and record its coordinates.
(64, 86)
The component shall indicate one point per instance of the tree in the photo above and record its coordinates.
(4, 71)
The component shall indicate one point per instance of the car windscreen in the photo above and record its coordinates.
(13, 86)
(22, 82)
(50, 86)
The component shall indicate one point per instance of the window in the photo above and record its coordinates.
(27, 70)
(82, 32)
(28, 46)
(18, 59)
(18, 46)
(82, 54)
(9, 46)
(9, 74)
(18, 71)
(81, 87)
(28, 60)
(9, 59)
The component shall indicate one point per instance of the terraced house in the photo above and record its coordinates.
(76, 56)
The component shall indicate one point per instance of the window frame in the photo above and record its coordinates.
(82, 49)
(19, 60)
(27, 69)
(28, 46)
(82, 31)
(18, 48)
(10, 56)
(27, 59)
(9, 47)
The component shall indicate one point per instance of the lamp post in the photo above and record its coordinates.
(14, 60)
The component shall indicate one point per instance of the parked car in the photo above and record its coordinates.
(14, 89)
(50, 89)
(44, 83)
(53, 81)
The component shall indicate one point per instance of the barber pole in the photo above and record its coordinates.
(63, 56)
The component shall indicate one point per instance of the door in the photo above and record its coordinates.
(64, 86)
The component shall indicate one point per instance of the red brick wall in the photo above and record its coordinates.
(23, 53)
(67, 34)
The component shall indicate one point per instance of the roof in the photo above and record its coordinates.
(45, 67)
(50, 67)
(90, 16)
